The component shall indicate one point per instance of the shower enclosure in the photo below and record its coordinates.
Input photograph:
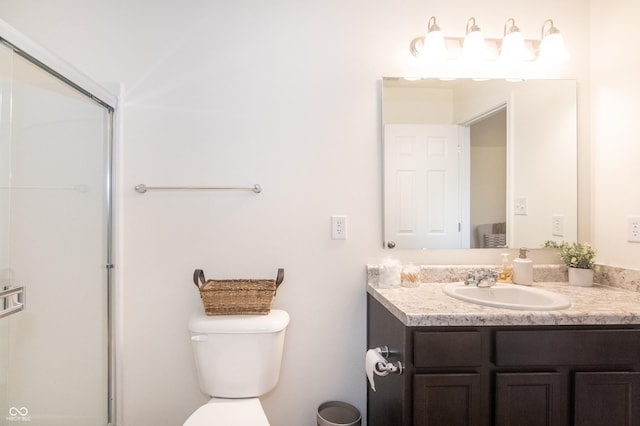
(55, 224)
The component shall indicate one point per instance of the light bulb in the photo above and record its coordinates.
(434, 47)
(552, 50)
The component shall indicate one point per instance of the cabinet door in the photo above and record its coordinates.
(446, 399)
(530, 399)
(607, 399)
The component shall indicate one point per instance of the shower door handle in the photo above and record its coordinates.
(11, 301)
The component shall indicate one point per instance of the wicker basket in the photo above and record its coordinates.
(236, 297)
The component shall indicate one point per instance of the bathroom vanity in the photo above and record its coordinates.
(467, 364)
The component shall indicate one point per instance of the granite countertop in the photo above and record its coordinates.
(427, 305)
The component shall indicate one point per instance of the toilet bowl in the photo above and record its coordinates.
(229, 412)
(238, 359)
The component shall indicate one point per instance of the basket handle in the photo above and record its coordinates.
(198, 275)
(280, 277)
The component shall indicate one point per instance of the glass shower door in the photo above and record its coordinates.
(54, 213)
(5, 206)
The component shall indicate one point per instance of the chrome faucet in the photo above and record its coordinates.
(481, 279)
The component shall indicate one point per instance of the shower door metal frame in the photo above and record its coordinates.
(109, 102)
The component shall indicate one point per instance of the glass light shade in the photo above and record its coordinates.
(434, 48)
(552, 50)
(473, 47)
(513, 48)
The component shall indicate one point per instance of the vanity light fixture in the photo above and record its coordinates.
(511, 48)
(473, 46)
(434, 46)
(552, 49)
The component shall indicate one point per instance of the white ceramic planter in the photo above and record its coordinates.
(581, 277)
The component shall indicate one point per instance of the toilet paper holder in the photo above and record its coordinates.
(389, 367)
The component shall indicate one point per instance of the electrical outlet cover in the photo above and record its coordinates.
(633, 229)
(339, 227)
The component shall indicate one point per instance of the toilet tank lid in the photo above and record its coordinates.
(275, 320)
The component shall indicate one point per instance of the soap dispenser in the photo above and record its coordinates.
(506, 272)
(523, 269)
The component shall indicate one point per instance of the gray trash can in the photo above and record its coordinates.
(336, 413)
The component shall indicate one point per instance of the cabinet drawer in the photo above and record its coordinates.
(567, 347)
(447, 349)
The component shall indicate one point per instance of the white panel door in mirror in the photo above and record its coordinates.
(423, 186)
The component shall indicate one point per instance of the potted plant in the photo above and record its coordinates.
(579, 257)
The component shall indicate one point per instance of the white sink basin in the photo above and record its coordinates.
(509, 296)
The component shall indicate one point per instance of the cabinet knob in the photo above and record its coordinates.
(391, 244)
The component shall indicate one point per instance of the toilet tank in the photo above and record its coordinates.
(238, 356)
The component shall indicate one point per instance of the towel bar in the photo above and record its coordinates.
(142, 188)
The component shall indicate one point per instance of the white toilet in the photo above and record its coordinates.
(238, 359)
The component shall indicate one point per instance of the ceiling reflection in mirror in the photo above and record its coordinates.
(478, 164)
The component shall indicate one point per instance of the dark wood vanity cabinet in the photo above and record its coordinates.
(505, 376)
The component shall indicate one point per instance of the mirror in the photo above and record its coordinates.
(474, 164)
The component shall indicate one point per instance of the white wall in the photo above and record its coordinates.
(544, 165)
(615, 100)
(417, 106)
(285, 94)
